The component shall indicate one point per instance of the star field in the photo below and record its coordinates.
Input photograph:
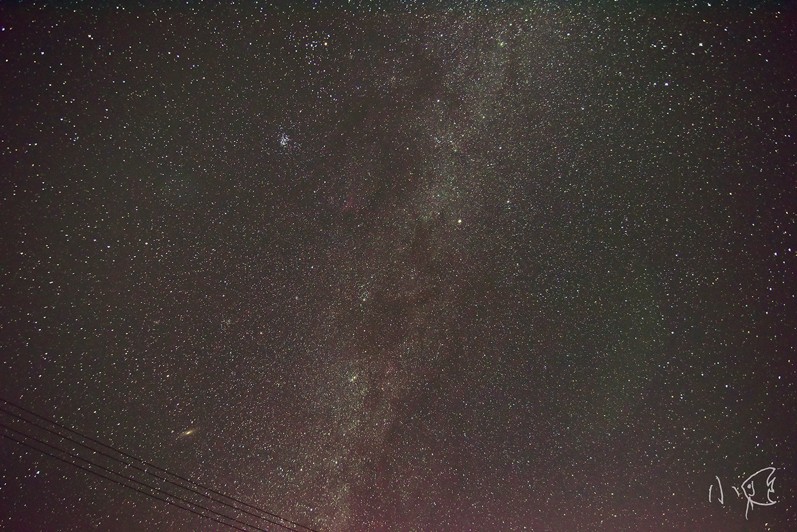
(400, 266)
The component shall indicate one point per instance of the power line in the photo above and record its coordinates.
(138, 468)
(131, 479)
(30, 446)
(153, 466)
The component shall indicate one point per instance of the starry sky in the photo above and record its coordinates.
(403, 266)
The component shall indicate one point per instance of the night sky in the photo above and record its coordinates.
(403, 267)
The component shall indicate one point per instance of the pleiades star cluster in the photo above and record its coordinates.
(404, 266)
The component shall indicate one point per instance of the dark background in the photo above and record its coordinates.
(402, 267)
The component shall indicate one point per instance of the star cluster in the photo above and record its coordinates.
(403, 266)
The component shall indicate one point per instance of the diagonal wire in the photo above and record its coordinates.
(152, 495)
(153, 466)
(138, 468)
